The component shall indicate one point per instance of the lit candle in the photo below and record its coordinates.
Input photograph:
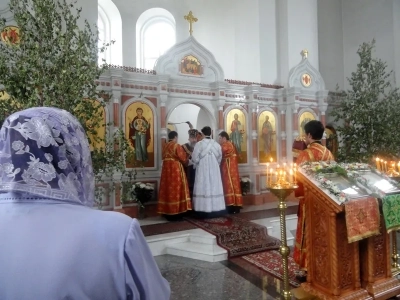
(377, 163)
(398, 166)
(271, 160)
(295, 175)
(276, 174)
(385, 166)
(270, 177)
(291, 176)
(267, 172)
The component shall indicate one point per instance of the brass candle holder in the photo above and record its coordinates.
(282, 188)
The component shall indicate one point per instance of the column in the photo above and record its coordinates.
(254, 135)
(283, 131)
(322, 97)
(297, 30)
(295, 121)
(220, 104)
(163, 119)
(116, 110)
(322, 119)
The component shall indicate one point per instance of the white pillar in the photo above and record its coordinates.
(297, 30)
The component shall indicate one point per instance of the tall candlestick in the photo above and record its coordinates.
(385, 166)
(377, 163)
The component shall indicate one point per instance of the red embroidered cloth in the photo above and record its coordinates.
(362, 218)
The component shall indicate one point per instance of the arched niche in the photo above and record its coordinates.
(236, 124)
(198, 114)
(114, 27)
(268, 144)
(305, 115)
(139, 136)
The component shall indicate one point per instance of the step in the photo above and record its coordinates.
(199, 251)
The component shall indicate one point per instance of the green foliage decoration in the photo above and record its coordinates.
(368, 111)
(56, 64)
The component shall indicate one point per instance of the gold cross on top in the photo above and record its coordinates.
(191, 19)
(304, 53)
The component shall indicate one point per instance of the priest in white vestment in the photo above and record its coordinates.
(208, 195)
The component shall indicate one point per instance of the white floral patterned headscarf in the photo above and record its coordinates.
(44, 154)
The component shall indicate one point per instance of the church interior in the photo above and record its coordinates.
(259, 70)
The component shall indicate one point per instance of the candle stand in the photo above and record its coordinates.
(282, 189)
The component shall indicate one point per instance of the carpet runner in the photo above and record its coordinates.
(238, 236)
(271, 262)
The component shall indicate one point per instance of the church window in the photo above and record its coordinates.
(103, 26)
(155, 35)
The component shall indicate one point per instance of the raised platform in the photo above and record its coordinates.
(184, 239)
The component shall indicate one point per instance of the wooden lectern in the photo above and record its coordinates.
(338, 269)
(376, 272)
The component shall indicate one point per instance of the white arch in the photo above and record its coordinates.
(109, 12)
(199, 104)
(145, 20)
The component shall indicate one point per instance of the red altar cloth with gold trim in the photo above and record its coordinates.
(362, 218)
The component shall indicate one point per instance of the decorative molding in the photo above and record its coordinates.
(305, 68)
(263, 85)
(170, 62)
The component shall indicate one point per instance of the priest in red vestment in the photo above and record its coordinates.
(315, 152)
(173, 198)
(230, 175)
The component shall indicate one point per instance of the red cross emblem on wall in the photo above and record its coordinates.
(306, 80)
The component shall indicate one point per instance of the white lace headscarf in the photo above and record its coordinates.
(44, 154)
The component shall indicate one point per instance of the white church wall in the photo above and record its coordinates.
(396, 35)
(330, 43)
(247, 41)
(364, 20)
(203, 119)
(297, 30)
(268, 41)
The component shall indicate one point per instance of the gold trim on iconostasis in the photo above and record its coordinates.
(267, 146)
(139, 130)
(304, 118)
(235, 126)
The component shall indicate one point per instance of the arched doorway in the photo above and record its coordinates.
(196, 115)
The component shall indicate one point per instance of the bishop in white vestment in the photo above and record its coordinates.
(208, 195)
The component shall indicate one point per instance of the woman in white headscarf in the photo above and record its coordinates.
(53, 245)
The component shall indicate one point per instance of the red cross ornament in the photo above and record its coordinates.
(306, 80)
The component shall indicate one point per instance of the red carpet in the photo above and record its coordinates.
(238, 236)
(271, 262)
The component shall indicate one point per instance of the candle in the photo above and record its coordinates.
(270, 177)
(377, 163)
(385, 166)
(271, 160)
(276, 174)
(267, 172)
(398, 166)
(295, 175)
(291, 176)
